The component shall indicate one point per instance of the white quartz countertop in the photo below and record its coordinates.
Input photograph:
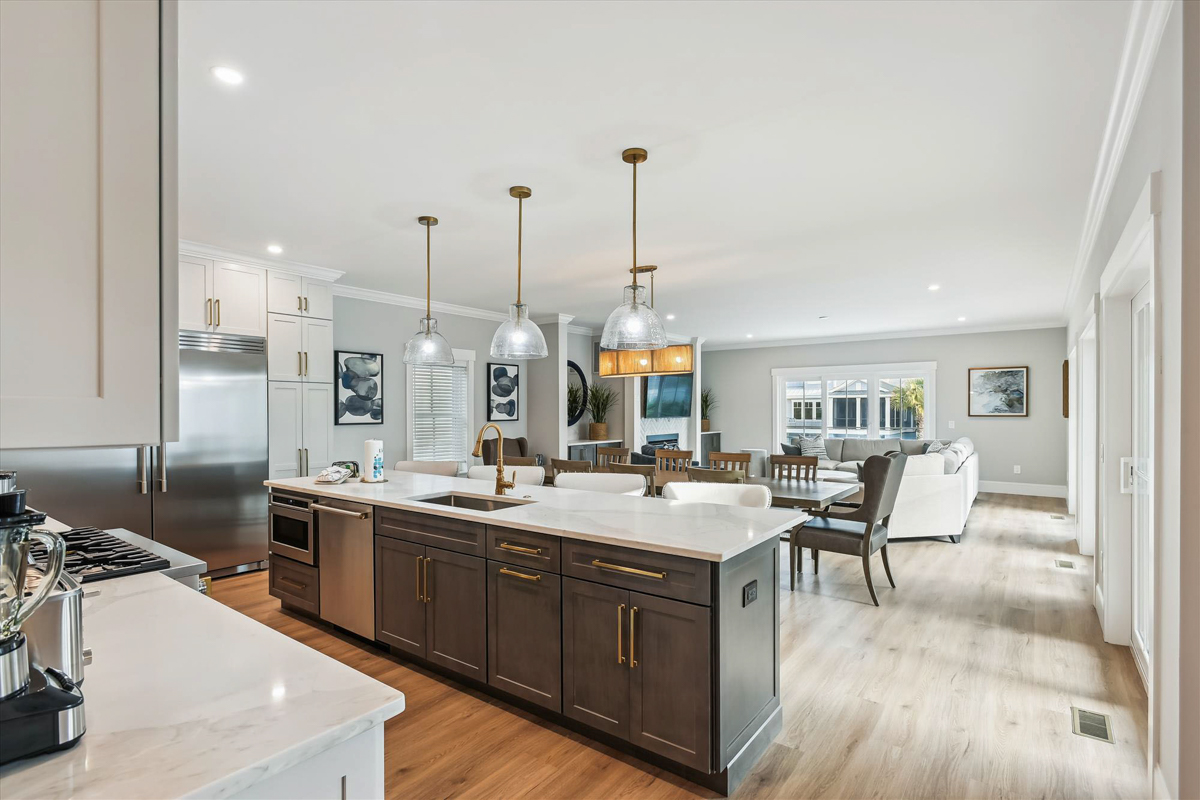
(188, 698)
(696, 530)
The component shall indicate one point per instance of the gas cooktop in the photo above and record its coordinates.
(93, 555)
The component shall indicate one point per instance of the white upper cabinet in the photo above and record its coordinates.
(318, 351)
(318, 299)
(239, 299)
(195, 293)
(285, 348)
(81, 215)
(289, 293)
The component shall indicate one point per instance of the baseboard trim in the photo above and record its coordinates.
(1028, 489)
(1160, 791)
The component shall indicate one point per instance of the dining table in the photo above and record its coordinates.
(814, 495)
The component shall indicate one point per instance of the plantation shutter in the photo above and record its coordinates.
(439, 397)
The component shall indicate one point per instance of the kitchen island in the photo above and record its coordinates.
(650, 625)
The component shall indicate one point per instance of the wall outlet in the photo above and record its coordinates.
(1016, 469)
(951, 424)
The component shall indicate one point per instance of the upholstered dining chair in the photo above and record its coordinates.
(513, 446)
(724, 494)
(560, 465)
(449, 468)
(608, 482)
(719, 460)
(607, 456)
(860, 532)
(802, 468)
(531, 476)
(647, 471)
(704, 475)
(520, 461)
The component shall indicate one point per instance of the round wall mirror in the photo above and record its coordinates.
(577, 393)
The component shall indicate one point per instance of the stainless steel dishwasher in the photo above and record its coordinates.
(346, 542)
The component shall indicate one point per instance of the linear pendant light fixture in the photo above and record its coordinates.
(428, 347)
(519, 337)
(676, 359)
(633, 325)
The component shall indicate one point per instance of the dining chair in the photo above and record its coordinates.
(531, 476)
(725, 494)
(647, 471)
(448, 468)
(802, 468)
(607, 456)
(608, 482)
(558, 465)
(862, 531)
(520, 461)
(719, 460)
(704, 475)
(672, 465)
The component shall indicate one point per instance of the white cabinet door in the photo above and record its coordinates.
(285, 348)
(195, 294)
(80, 224)
(318, 351)
(318, 426)
(318, 298)
(285, 429)
(285, 293)
(239, 299)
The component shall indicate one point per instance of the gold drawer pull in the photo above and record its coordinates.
(629, 570)
(290, 582)
(516, 548)
(507, 571)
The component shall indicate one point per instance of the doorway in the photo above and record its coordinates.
(1140, 477)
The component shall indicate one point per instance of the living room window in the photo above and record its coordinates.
(890, 401)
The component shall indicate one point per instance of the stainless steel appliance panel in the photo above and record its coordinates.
(209, 501)
(55, 631)
(346, 544)
(293, 527)
(101, 486)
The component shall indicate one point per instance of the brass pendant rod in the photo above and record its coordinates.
(520, 224)
(428, 296)
(635, 223)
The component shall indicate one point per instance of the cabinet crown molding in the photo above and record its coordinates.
(276, 264)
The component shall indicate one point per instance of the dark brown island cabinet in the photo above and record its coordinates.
(672, 659)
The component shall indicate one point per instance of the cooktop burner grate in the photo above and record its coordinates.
(93, 555)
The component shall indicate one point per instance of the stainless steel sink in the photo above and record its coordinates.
(471, 501)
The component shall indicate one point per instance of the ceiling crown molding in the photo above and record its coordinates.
(1147, 21)
(277, 264)
(376, 296)
(883, 335)
(580, 330)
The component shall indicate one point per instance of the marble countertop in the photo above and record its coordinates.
(696, 530)
(186, 697)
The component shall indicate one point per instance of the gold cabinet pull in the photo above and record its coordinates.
(620, 624)
(217, 303)
(290, 582)
(632, 615)
(420, 594)
(299, 363)
(299, 303)
(507, 571)
(428, 593)
(629, 570)
(306, 363)
(306, 305)
(516, 548)
(208, 312)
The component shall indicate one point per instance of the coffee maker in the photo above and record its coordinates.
(41, 710)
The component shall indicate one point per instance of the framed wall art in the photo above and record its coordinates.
(998, 391)
(504, 392)
(358, 396)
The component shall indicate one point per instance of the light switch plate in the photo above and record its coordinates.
(1016, 469)
(951, 424)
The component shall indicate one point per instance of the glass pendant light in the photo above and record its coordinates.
(634, 325)
(428, 347)
(519, 337)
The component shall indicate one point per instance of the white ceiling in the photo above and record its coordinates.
(805, 158)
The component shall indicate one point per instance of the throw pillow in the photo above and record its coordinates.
(789, 449)
(813, 447)
(934, 447)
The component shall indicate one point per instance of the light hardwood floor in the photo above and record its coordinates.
(959, 685)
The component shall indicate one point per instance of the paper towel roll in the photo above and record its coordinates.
(372, 460)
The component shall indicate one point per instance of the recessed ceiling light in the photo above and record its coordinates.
(933, 287)
(749, 335)
(670, 316)
(823, 316)
(962, 319)
(228, 75)
(274, 249)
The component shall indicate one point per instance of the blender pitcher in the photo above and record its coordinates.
(16, 537)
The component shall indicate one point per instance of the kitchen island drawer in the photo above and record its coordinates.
(457, 535)
(659, 574)
(523, 548)
(296, 584)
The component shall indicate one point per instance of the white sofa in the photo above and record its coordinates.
(936, 492)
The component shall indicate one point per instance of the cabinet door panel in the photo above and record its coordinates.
(239, 299)
(195, 291)
(399, 609)
(318, 350)
(456, 614)
(285, 429)
(285, 346)
(671, 679)
(318, 427)
(318, 297)
(525, 633)
(284, 294)
(595, 655)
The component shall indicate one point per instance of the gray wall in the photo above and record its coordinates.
(383, 328)
(579, 350)
(741, 380)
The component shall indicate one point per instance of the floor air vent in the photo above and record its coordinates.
(1057, 516)
(1091, 724)
(1062, 563)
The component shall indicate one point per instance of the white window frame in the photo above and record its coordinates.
(873, 373)
(462, 358)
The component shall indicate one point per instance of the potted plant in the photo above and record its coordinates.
(574, 401)
(708, 401)
(601, 400)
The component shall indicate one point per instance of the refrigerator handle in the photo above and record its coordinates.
(142, 482)
(162, 468)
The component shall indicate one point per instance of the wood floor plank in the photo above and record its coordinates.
(959, 685)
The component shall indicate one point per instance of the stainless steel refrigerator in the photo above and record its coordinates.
(202, 495)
